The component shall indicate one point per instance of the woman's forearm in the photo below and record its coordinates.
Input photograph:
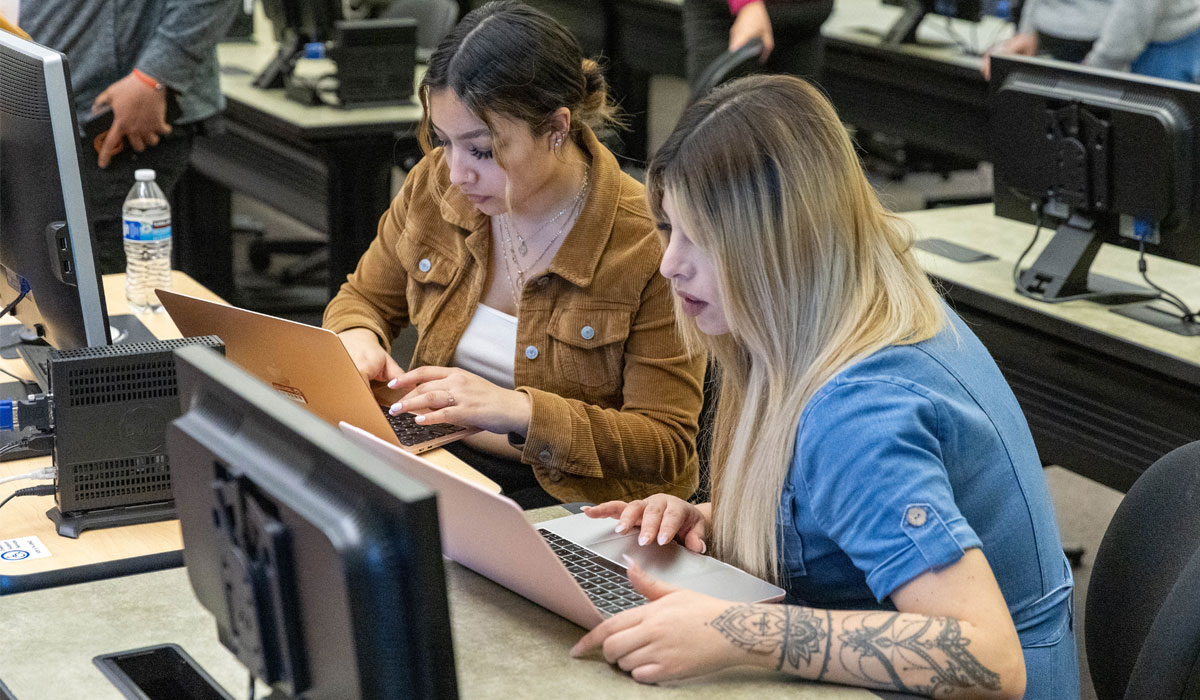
(934, 656)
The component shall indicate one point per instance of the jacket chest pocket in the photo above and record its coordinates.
(589, 346)
(429, 271)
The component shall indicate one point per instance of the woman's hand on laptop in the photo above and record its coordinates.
(453, 395)
(671, 637)
(661, 517)
(372, 361)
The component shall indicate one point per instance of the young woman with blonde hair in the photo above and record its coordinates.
(529, 264)
(868, 455)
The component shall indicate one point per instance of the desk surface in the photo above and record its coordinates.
(111, 551)
(505, 646)
(977, 227)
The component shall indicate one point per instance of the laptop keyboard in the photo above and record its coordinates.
(604, 582)
(411, 432)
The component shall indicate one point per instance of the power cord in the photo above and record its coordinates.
(41, 442)
(40, 490)
(1186, 314)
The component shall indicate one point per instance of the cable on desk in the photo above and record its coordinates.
(41, 490)
(1186, 315)
(37, 474)
(32, 442)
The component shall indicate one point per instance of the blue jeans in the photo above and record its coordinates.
(1173, 60)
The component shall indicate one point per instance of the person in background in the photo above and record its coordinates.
(528, 263)
(868, 454)
(133, 57)
(1159, 38)
(789, 29)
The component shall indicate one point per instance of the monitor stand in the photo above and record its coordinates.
(1060, 272)
(17, 341)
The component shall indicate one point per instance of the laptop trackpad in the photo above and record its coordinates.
(671, 563)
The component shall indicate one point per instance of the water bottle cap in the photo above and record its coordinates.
(144, 175)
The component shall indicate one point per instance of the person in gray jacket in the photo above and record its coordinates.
(133, 57)
(1151, 37)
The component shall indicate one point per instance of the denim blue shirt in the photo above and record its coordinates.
(908, 458)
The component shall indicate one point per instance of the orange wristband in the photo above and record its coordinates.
(148, 80)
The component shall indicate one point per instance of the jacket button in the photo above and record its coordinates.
(531, 352)
(554, 475)
(542, 281)
(424, 265)
(545, 455)
(587, 332)
(916, 516)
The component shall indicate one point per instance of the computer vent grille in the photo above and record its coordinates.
(24, 94)
(149, 477)
(92, 386)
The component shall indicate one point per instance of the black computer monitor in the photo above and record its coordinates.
(321, 564)
(299, 22)
(904, 31)
(45, 242)
(1101, 156)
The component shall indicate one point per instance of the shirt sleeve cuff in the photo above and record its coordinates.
(933, 544)
(551, 427)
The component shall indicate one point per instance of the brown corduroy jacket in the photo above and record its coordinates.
(615, 395)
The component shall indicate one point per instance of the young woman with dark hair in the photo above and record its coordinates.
(528, 263)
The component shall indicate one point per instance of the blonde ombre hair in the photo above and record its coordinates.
(814, 275)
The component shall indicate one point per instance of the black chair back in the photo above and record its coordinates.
(727, 66)
(1142, 625)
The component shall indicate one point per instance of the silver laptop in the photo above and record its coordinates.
(571, 566)
(307, 364)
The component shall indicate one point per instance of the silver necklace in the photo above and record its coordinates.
(522, 248)
(511, 260)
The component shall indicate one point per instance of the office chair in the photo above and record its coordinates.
(727, 66)
(1143, 603)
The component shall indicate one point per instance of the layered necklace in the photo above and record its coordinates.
(517, 247)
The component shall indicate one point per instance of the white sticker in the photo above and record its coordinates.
(22, 548)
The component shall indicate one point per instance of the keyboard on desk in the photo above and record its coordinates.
(605, 582)
(410, 433)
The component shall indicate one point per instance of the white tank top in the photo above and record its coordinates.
(488, 346)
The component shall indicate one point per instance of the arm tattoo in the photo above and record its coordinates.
(795, 632)
(877, 647)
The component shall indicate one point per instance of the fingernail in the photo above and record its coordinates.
(619, 528)
(574, 651)
(662, 539)
(584, 507)
(419, 419)
(392, 383)
(643, 539)
(629, 562)
(703, 547)
(399, 405)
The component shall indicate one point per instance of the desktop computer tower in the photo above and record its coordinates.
(112, 406)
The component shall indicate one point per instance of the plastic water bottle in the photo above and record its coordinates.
(147, 223)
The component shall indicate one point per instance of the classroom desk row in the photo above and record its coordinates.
(123, 588)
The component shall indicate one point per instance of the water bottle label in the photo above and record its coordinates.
(147, 231)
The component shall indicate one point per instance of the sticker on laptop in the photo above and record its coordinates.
(22, 548)
(291, 392)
